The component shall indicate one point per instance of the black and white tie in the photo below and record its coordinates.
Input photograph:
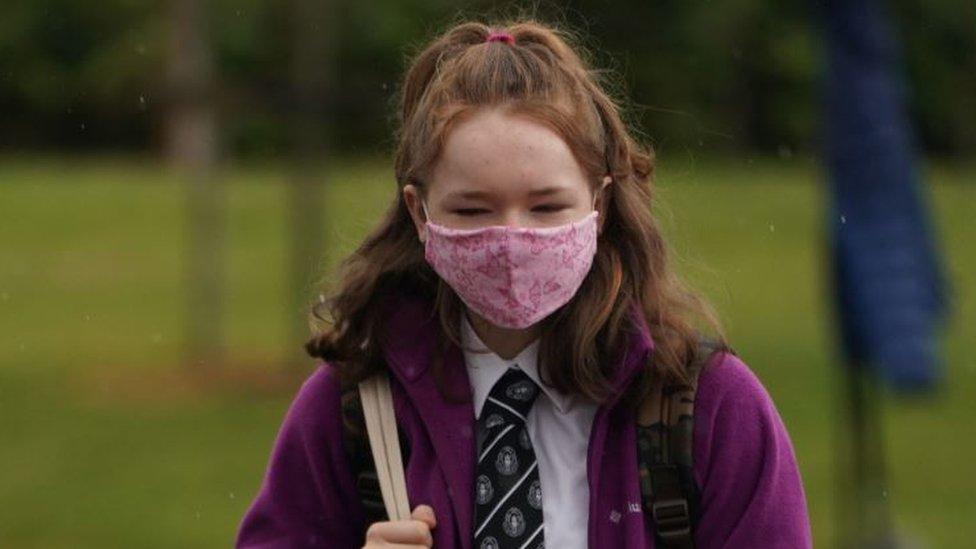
(508, 495)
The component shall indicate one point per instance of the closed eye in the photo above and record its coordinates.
(549, 208)
(469, 211)
(546, 208)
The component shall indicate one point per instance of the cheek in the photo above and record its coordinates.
(573, 213)
(563, 217)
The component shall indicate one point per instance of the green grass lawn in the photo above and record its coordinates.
(107, 443)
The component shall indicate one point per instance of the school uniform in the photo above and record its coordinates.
(752, 493)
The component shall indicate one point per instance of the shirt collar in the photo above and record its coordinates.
(485, 368)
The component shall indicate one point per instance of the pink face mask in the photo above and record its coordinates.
(513, 276)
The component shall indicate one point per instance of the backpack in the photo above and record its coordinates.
(669, 494)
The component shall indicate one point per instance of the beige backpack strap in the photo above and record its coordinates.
(381, 425)
(665, 422)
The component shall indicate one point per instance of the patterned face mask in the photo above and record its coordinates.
(513, 276)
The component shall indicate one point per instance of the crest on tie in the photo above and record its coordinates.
(514, 523)
(485, 490)
(494, 420)
(535, 495)
(506, 462)
(522, 390)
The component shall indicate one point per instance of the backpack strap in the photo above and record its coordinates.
(665, 426)
(377, 402)
(360, 456)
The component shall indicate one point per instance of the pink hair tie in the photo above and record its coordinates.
(502, 36)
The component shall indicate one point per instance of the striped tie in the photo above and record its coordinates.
(508, 495)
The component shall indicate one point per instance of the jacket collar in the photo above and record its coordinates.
(410, 340)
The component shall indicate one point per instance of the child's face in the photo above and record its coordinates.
(499, 169)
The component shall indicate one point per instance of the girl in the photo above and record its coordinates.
(518, 293)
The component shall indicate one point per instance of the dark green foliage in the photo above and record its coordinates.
(730, 75)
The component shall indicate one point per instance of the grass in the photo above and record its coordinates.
(108, 443)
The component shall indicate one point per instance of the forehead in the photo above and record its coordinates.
(492, 153)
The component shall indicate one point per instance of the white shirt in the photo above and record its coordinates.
(559, 426)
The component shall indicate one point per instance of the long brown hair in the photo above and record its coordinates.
(543, 77)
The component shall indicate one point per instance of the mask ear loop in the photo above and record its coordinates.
(423, 204)
(607, 180)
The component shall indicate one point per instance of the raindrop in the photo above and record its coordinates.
(772, 228)
(231, 495)
(82, 126)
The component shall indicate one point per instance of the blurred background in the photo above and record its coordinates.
(179, 178)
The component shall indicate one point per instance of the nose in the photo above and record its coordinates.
(511, 218)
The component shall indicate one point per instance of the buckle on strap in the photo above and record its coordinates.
(672, 517)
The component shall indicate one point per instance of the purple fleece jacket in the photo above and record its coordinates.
(752, 494)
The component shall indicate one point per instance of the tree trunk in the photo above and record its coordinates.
(313, 70)
(190, 143)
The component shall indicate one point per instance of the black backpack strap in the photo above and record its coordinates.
(356, 444)
(665, 427)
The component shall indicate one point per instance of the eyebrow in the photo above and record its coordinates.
(544, 191)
